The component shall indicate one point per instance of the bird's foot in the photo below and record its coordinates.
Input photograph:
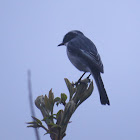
(86, 80)
(76, 83)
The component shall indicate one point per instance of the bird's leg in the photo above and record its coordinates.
(80, 79)
(88, 76)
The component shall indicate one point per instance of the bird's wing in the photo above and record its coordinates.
(87, 50)
(95, 58)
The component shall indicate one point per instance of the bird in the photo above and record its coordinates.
(83, 54)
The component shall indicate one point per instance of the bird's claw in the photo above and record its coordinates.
(76, 83)
(86, 80)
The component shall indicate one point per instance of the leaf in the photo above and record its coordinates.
(59, 116)
(51, 124)
(34, 126)
(51, 100)
(37, 120)
(57, 100)
(31, 123)
(70, 87)
(51, 96)
(81, 88)
(52, 116)
(91, 87)
(59, 113)
(47, 103)
(63, 97)
(86, 94)
(56, 126)
(44, 119)
(47, 119)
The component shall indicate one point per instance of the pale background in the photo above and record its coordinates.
(30, 31)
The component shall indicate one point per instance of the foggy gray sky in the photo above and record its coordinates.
(30, 31)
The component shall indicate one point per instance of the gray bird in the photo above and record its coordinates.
(84, 56)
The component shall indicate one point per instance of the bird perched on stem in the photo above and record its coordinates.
(84, 56)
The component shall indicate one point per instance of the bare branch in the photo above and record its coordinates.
(31, 102)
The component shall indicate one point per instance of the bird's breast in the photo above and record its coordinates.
(77, 61)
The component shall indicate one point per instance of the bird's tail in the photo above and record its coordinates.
(102, 92)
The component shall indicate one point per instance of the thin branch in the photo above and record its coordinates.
(31, 102)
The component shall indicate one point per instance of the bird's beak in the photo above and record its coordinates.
(61, 44)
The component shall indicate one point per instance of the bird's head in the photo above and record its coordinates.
(69, 36)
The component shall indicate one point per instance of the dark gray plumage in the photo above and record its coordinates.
(84, 56)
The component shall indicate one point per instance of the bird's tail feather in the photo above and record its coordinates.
(102, 92)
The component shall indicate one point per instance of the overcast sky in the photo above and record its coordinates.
(30, 31)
